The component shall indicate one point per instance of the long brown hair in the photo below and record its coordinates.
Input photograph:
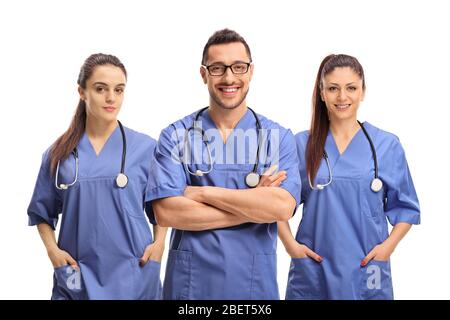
(320, 122)
(67, 142)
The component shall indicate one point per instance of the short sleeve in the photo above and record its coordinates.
(45, 204)
(288, 161)
(167, 177)
(402, 204)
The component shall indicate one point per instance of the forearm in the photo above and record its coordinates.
(48, 236)
(383, 251)
(285, 234)
(159, 234)
(397, 234)
(263, 205)
(186, 214)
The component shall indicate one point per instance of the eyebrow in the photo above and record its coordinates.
(223, 63)
(350, 83)
(104, 84)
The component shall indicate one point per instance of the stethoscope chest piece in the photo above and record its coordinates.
(376, 185)
(252, 179)
(121, 180)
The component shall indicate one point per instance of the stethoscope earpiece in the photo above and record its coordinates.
(199, 173)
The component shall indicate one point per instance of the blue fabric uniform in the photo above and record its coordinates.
(230, 263)
(104, 228)
(346, 220)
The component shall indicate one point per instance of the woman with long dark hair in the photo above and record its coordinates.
(95, 175)
(355, 179)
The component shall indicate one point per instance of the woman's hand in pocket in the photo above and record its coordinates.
(152, 252)
(60, 258)
(381, 252)
(299, 251)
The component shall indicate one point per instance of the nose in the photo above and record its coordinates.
(228, 75)
(342, 95)
(109, 96)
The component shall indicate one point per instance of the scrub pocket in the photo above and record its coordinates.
(177, 282)
(264, 277)
(68, 284)
(372, 201)
(306, 281)
(148, 283)
(376, 281)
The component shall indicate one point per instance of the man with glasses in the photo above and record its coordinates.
(207, 183)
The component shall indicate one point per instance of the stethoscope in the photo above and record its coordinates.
(376, 185)
(251, 179)
(121, 179)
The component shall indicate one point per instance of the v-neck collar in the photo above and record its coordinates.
(243, 123)
(90, 148)
(349, 143)
(333, 151)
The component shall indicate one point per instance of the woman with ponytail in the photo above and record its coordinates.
(355, 179)
(95, 175)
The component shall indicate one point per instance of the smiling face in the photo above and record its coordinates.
(104, 93)
(229, 90)
(342, 91)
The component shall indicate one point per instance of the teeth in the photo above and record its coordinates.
(229, 89)
(342, 106)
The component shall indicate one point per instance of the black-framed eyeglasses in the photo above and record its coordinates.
(220, 69)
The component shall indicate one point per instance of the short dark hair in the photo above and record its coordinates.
(224, 36)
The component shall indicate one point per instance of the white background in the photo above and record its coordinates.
(403, 46)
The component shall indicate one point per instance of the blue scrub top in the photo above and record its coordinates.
(104, 227)
(230, 263)
(346, 220)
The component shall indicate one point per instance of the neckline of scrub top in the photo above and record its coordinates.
(91, 148)
(333, 151)
(111, 153)
(243, 123)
